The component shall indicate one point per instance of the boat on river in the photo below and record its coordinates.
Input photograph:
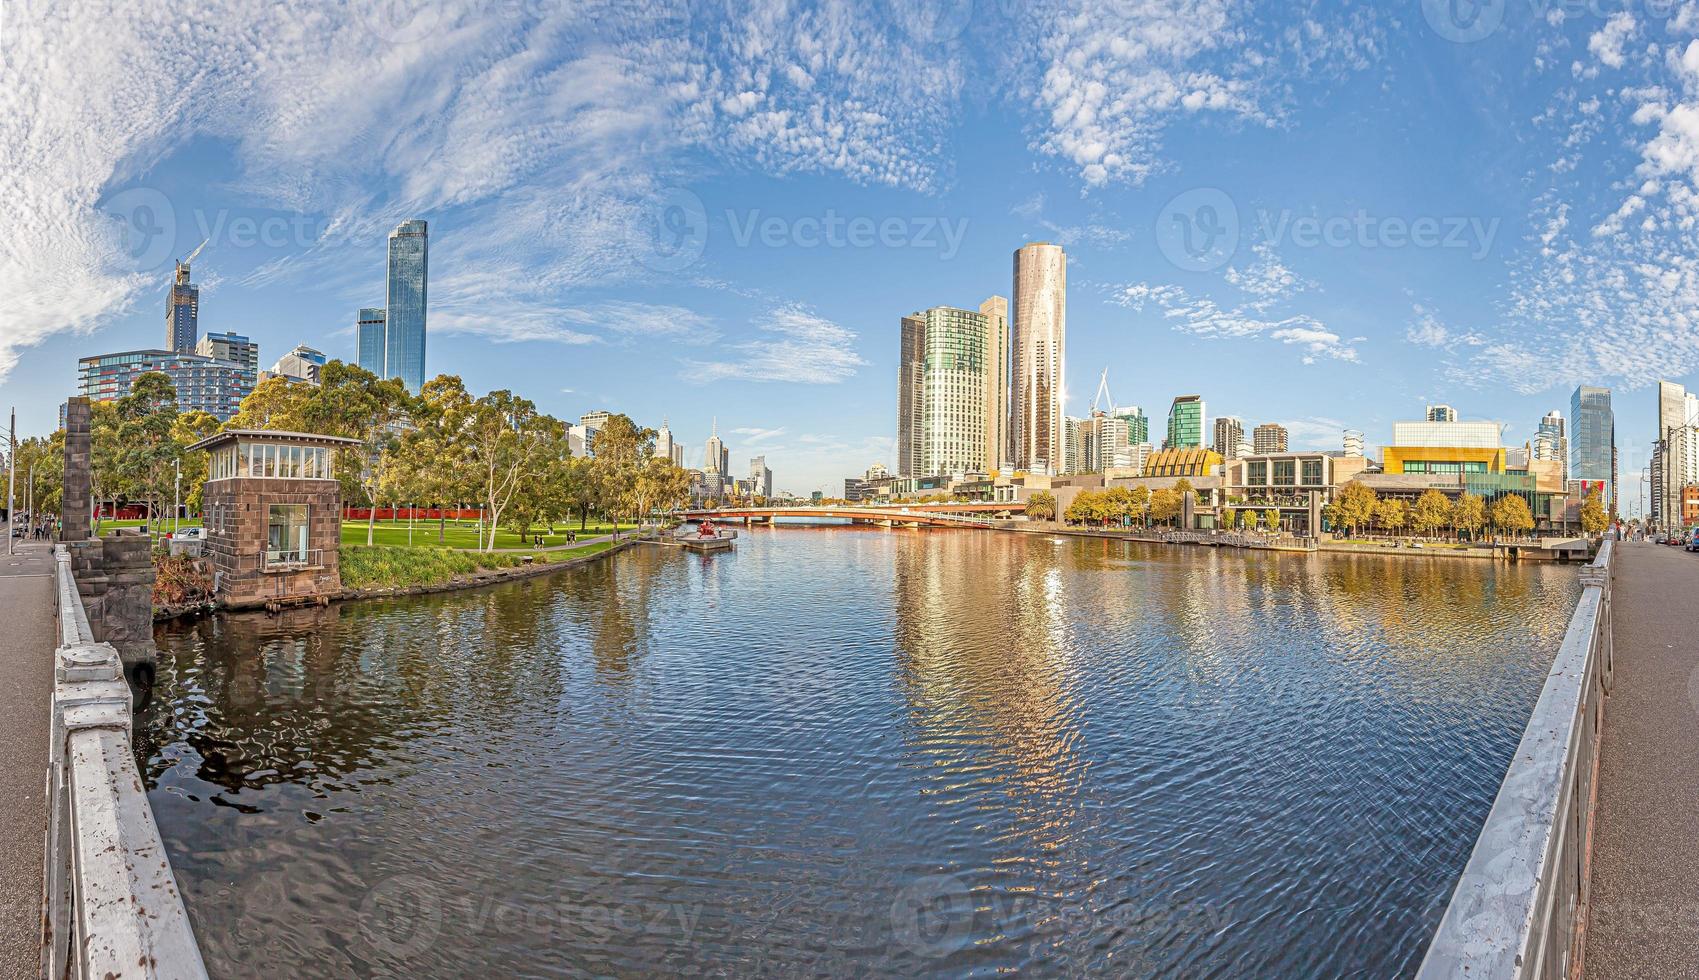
(706, 536)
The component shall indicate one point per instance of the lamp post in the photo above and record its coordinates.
(11, 476)
(177, 498)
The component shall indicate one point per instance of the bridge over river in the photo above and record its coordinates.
(917, 515)
(306, 751)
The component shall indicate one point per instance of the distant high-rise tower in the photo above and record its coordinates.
(716, 463)
(404, 328)
(911, 353)
(231, 347)
(1038, 340)
(1268, 438)
(370, 341)
(996, 313)
(1229, 432)
(183, 311)
(1442, 413)
(760, 477)
(1592, 448)
(1551, 442)
(1185, 423)
(666, 447)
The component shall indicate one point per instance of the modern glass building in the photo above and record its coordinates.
(1185, 423)
(1038, 341)
(182, 313)
(910, 355)
(369, 331)
(1552, 441)
(1592, 444)
(955, 370)
(203, 383)
(404, 328)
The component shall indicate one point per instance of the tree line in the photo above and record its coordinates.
(442, 448)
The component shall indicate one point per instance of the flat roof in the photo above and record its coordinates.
(272, 435)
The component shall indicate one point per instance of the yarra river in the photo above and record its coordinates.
(852, 751)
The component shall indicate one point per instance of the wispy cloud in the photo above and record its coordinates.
(792, 344)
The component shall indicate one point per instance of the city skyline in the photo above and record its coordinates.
(761, 294)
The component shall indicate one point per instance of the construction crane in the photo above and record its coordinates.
(191, 256)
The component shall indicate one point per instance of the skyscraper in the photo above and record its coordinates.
(1551, 442)
(303, 362)
(760, 477)
(995, 310)
(1038, 336)
(370, 343)
(911, 353)
(957, 367)
(1592, 449)
(1268, 437)
(231, 347)
(716, 463)
(1229, 432)
(666, 447)
(404, 328)
(1675, 460)
(183, 311)
(1442, 413)
(1185, 423)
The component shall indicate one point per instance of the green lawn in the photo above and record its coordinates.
(458, 534)
(461, 534)
(383, 567)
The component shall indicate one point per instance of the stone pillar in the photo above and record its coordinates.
(74, 502)
(122, 612)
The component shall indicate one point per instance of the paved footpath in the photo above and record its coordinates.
(27, 639)
(1644, 920)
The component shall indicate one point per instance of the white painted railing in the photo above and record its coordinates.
(1518, 908)
(111, 907)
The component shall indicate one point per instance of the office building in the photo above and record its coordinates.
(1445, 448)
(668, 448)
(995, 310)
(1675, 453)
(1185, 423)
(716, 464)
(1441, 413)
(911, 353)
(369, 342)
(760, 477)
(1268, 438)
(231, 347)
(1038, 337)
(1229, 434)
(404, 315)
(1592, 444)
(203, 384)
(1551, 442)
(183, 311)
(303, 363)
(1077, 449)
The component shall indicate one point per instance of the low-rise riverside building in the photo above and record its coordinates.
(1297, 484)
(272, 508)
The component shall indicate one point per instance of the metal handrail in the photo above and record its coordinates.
(1519, 907)
(110, 904)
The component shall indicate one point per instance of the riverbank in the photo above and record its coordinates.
(1255, 542)
(382, 572)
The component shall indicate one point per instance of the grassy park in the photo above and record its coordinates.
(457, 534)
(389, 567)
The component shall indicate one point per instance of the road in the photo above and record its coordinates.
(26, 653)
(1644, 915)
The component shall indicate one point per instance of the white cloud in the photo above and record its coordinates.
(1607, 42)
(1202, 317)
(794, 345)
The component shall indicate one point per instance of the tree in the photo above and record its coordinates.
(1357, 504)
(1165, 505)
(1392, 514)
(1593, 517)
(146, 455)
(1078, 511)
(1140, 504)
(663, 486)
(1432, 513)
(1228, 516)
(504, 440)
(1469, 514)
(190, 428)
(1119, 506)
(1041, 506)
(622, 449)
(1512, 516)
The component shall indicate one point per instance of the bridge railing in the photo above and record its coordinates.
(110, 904)
(1519, 907)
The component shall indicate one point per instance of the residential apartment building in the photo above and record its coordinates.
(1229, 434)
(231, 347)
(1268, 438)
(203, 383)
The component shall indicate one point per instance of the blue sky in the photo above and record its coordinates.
(1408, 202)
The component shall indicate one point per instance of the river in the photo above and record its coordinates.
(848, 751)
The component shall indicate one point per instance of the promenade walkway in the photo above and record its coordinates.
(1644, 916)
(27, 640)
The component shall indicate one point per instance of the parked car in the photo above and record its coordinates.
(1693, 543)
(189, 534)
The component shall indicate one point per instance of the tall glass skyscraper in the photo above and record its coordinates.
(1185, 423)
(404, 328)
(182, 313)
(369, 329)
(1038, 342)
(1592, 444)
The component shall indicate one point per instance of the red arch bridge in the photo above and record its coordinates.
(923, 515)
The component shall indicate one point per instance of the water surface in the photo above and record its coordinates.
(849, 751)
